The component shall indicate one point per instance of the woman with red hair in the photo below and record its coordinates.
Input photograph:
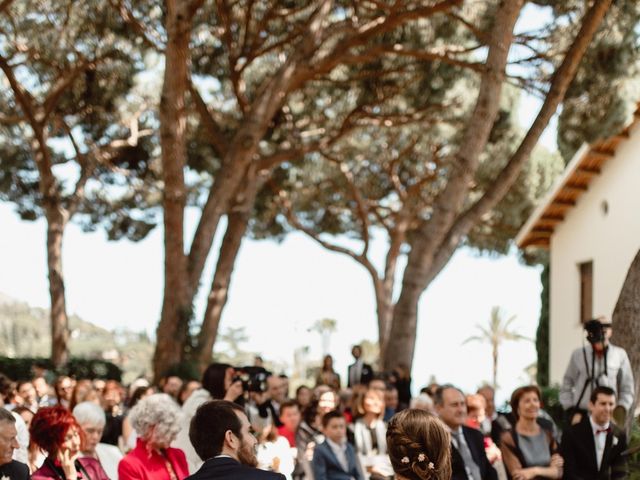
(56, 431)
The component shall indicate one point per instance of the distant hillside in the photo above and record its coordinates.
(25, 331)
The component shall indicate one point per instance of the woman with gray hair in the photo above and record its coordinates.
(92, 420)
(156, 420)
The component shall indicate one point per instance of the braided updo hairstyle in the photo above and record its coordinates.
(418, 445)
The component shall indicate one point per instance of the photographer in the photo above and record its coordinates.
(598, 364)
(219, 382)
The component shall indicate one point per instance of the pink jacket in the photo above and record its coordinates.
(139, 464)
(91, 465)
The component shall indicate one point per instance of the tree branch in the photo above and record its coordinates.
(506, 178)
(216, 137)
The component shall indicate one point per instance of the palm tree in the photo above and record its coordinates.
(497, 332)
(325, 327)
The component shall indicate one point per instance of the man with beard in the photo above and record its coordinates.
(222, 436)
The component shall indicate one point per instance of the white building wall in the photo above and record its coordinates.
(610, 240)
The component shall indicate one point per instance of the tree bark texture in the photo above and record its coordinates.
(57, 219)
(626, 323)
(172, 329)
(439, 240)
(449, 203)
(183, 273)
(238, 220)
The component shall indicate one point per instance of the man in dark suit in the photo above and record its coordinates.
(8, 443)
(592, 449)
(468, 460)
(358, 372)
(221, 435)
(335, 459)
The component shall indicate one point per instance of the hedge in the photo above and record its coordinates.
(80, 368)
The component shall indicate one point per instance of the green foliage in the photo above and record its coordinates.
(551, 403)
(542, 333)
(603, 96)
(77, 63)
(80, 368)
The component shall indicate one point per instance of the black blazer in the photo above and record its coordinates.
(225, 468)
(578, 448)
(366, 375)
(475, 441)
(15, 470)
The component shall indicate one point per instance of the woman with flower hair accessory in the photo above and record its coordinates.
(418, 445)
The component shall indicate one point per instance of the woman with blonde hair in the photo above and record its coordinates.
(419, 446)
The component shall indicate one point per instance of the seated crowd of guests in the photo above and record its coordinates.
(100, 430)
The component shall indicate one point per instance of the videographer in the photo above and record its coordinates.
(598, 364)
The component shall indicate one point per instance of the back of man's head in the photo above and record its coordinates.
(210, 424)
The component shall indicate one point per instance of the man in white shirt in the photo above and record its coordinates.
(358, 372)
(593, 448)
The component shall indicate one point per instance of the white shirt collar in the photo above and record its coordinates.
(595, 426)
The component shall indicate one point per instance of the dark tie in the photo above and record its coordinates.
(473, 471)
(603, 430)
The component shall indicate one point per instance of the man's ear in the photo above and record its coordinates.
(231, 441)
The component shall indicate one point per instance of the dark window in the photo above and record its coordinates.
(586, 291)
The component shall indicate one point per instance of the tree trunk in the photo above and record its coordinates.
(625, 325)
(57, 219)
(59, 320)
(439, 237)
(449, 203)
(495, 366)
(384, 311)
(238, 221)
(173, 327)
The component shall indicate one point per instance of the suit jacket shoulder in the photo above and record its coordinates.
(15, 470)
(224, 468)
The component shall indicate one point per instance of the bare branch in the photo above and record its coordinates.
(215, 136)
(294, 222)
(148, 37)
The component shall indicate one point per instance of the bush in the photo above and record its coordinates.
(21, 368)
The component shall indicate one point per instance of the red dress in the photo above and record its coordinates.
(140, 464)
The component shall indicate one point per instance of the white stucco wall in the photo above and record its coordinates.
(611, 241)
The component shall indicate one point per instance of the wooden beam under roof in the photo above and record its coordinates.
(589, 170)
(600, 154)
(549, 217)
(563, 203)
(575, 188)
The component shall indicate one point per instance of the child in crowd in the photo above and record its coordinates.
(335, 459)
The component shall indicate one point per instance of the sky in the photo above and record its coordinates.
(280, 289)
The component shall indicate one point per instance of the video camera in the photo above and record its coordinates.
(595, 331)
(254, 379)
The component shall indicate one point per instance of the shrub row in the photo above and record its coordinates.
(21, 368)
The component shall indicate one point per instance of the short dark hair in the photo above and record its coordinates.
(330, 416)
(438, 397)
(608, 391)
(210, 424)
(213, 379)
(288, 404)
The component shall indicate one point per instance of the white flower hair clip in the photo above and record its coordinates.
(405, 460)
(431, 466)
(421, 457)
